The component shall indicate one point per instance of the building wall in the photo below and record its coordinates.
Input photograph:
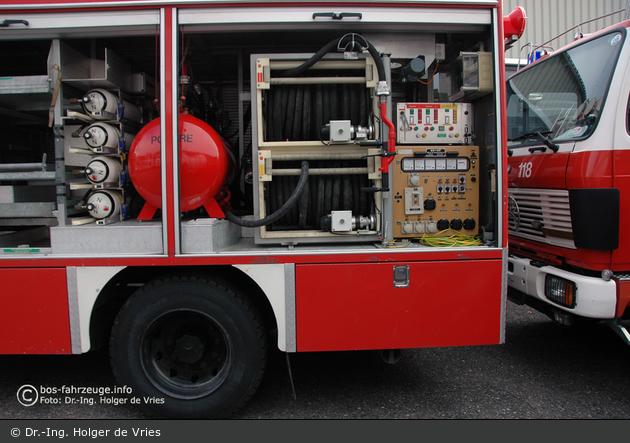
(548, 18)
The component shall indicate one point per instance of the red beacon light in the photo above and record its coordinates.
(514, 25)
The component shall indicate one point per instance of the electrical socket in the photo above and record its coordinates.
(440, 51)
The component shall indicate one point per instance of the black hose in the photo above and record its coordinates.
(289, 121)
(285, 103)
(319, 111)
(306, 116)
(269, 113)
(277, 115)
(277, 186)
(297, 123)
(293, 213)
(312, 201)
(336, 190)
(354, 108)
(345, 103)
(356, 195)
(380, 67)
(346, 188)
(328, 194)
(334, 100)
(326, 103)
(303, 208)
(321, 196)
(286, 192)
(280, 212)
(363, 109)
(311, 61)
(329, 47)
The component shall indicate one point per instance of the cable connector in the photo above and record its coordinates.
(386, 154)
(382, 88)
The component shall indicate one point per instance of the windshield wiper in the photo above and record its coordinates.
(531, 134)
(540, 136)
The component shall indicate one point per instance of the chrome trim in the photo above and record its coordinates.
(175, 131)
(375, 17)
(504, 291)
(73, 309)
(166, 3)
(289, 308)
(163, 129)
(269, 251)
(498, 91)
(87, 23)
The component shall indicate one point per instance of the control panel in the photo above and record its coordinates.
(434, 123)
(435, 189)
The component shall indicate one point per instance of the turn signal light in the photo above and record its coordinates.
(560, 291)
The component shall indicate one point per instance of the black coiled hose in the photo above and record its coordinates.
(329, 47)
(286, 207)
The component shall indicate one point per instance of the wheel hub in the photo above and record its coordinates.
(186, 354)
(189, 349)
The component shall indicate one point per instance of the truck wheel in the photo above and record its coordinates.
(188, 348)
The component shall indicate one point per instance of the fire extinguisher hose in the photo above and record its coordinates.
(286, 207)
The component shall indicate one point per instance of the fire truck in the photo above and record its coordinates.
(191, 183)
(568, 146)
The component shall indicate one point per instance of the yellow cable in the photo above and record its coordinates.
(455, 239)
(393, 245)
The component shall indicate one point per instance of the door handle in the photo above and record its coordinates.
(337, 15)
(6, 22)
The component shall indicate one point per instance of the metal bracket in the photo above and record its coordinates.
(337, 15)
(6, 22)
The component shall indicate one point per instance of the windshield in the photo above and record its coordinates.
(562, 96)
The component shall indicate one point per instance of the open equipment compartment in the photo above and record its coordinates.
(289, 185)
(101, 96)
(72, 105)
(275, 116)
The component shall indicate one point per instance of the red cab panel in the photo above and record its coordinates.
(591, 169)
(356, 306)
(34, 317)
(538, 171)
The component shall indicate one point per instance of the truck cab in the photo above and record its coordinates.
(568, 180)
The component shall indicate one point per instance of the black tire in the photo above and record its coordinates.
(196, 344)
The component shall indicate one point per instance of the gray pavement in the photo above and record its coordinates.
(543, 371)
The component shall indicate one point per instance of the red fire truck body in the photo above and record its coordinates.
(568, 181)
(173, 136)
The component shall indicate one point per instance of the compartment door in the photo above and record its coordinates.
(34, 317)
(357, 306)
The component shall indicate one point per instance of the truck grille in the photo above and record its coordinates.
(542, 215)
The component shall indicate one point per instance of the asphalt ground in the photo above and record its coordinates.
(543, 371)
